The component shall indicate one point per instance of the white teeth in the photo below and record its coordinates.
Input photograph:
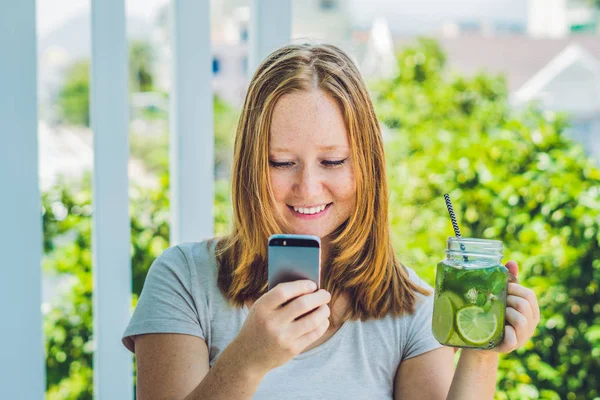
(311, 210)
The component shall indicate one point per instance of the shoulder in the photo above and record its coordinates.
(417, 280)
(188, 260)
(202, 252)
(423, 304)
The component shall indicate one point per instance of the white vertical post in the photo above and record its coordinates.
(113, 377)
(270, 28)
(191, 123)
(22, 368)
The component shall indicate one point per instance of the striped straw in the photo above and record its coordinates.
(511, 277)
(452, 215)
(454, 223)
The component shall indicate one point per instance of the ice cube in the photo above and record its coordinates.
(471, 295)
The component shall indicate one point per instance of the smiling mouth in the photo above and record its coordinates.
(310, 210)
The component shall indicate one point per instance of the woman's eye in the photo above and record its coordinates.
(281, 164)
(336, 163)
(289, 164)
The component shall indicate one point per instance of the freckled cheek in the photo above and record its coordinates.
(343, 187)
(281, 187)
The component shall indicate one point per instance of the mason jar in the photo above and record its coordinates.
(470, 294)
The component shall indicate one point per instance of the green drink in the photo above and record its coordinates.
(470, 294)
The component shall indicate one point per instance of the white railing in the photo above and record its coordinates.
(270, 28)
(191, 121)
(22, 372)
(111, 265)
(22, 352)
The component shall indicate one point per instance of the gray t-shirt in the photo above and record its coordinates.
(359, 361)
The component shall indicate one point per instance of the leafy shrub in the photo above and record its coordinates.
(515, 176)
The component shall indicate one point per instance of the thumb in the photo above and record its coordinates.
(513, 268)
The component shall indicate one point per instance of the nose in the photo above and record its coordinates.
(308, 184)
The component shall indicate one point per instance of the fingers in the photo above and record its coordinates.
(528, 295)
(305, 304)
(309, 337)
(312, 321)
(521, 305)
(510, 341)
(522, 327)
(285, 292)
(522, 317)
(513, 268)
(517, 321)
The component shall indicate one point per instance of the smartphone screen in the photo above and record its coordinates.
(294, 257)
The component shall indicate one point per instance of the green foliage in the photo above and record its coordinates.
(225, 123)
(74, 97)
(67, 232)
(514, 176)
(141, 61)
(155, 151)
(67, 247)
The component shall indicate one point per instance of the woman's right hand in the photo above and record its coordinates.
(271, 335)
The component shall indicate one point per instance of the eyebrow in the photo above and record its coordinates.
(322, 148)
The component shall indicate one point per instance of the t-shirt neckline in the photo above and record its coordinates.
(322, 347)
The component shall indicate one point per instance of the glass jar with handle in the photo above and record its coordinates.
(470, 294)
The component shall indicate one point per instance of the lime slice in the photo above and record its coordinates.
(456, 300)
(442, 318)
(475, 326)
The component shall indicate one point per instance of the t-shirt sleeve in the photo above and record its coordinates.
(166, 304)
(419, 337)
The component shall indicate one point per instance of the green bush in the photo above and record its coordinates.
(67, 248)
(74, 98)
(513, 176)
(68, 325)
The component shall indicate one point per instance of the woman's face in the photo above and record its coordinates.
(310, 163)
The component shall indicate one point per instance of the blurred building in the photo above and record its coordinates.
(229, 34)
(322, 21)
(422, 17)
(561, 74)
(377, 58)
(546, 48)
(313, 21)
(559, 18)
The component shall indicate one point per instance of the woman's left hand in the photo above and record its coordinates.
(522, 314)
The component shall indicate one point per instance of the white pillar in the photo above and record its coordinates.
(113, 377)
(22, 366)
(270, 28)
(191, 121)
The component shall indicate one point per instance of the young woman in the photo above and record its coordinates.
(309, 159)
